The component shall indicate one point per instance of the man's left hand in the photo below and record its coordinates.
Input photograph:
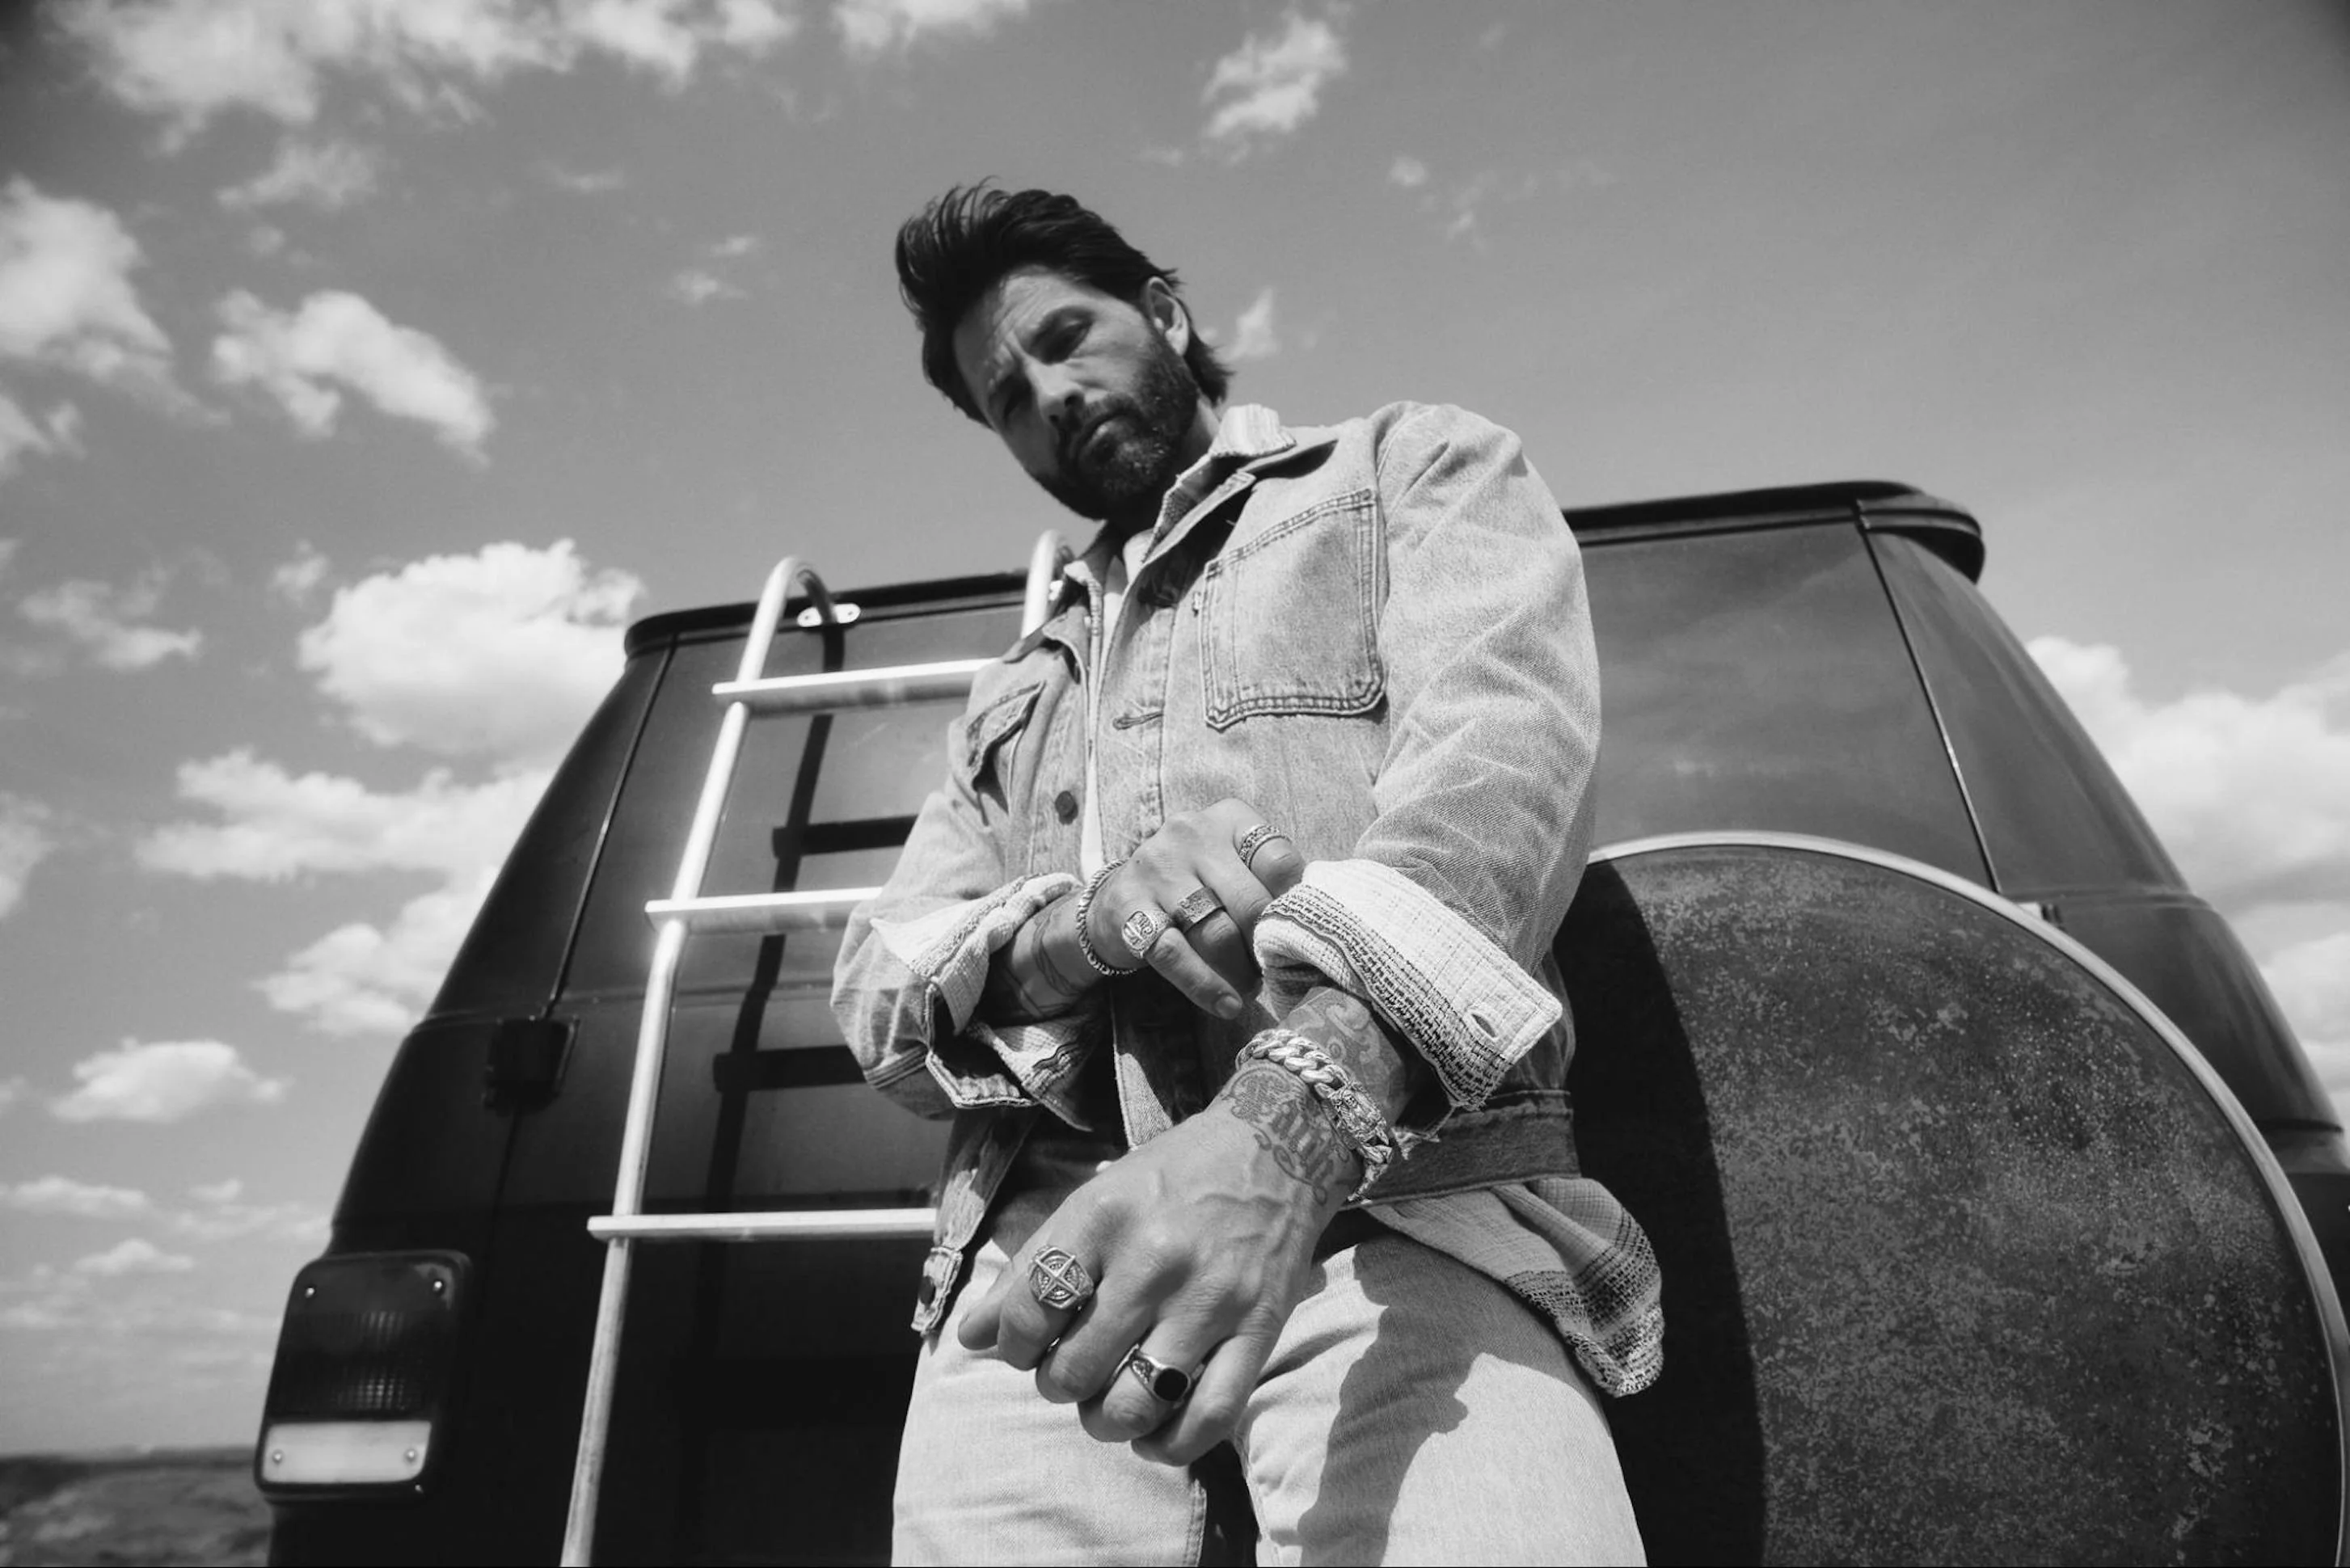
(1199, 1244)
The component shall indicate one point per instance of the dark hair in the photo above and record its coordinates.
(961, 245)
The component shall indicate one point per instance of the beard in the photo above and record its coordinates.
(1124, 473)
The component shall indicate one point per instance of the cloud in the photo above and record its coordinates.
(1253, 336)
(871, 29)
(502, 653)
(587, 182)
(297, 579)
(1408, 171)
(501, 656)
(11, 1091)
(2311, 983)
(324, 174)
(227, 1191)
(81, 1199)
(26, 840)
(278, 825)
(219, 1217)
(1272, 83)
(701, 285)
(104, 619)
(167, 1081)
(66, 298)
(2251, 794)
(336, 337)
(134, 1256)
(20, 432)
(187, 60)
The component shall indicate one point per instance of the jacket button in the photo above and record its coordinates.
(1064, 807)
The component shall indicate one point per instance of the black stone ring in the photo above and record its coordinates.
(1170, 1386)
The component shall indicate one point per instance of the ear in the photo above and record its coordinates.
(1166, 312)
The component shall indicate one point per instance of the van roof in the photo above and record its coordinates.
(1877, 504)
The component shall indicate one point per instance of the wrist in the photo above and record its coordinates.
(1294, 1129)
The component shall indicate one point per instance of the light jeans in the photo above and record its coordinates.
(1413, 1411)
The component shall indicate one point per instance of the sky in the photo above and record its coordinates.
(365, 365)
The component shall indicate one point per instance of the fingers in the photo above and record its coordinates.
(1128, 1407)
(1217, 1393)
(1017, 1320)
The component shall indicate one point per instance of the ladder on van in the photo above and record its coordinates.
(688, 912)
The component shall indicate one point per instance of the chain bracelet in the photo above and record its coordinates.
(1085, 940)
(1356, 1113)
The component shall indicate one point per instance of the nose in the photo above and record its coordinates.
(1058, 395)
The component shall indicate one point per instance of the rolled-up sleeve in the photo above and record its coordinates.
(914, 961)
(1483, 795)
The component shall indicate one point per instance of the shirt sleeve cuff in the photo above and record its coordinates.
(1433, 976)
(977, 1063)
(948, 949)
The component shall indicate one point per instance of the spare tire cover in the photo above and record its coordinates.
(1968, 1257)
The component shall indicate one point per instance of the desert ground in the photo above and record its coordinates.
(183, 1506)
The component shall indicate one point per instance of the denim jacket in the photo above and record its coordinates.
(1377, 633)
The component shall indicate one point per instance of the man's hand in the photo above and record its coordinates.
(1210, 963)
(1041, 974)
(1199, 1243)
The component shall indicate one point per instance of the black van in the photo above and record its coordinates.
(1813, 662)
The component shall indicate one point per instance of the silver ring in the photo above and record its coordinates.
(1254, 839)
(1170, 1386)
(1057, 1280)
(1197, 906)
(1142, 930)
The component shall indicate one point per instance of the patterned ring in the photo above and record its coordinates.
(1142, 930)
(1197, 906)
(1254, 839)
(1057, 1280)
(1170, 1386)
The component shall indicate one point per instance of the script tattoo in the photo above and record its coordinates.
(1024, 985)
(1383, 1066)
(1289, 1123)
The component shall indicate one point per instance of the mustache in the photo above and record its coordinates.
(1075, 441)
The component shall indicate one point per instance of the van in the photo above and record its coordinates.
(1813, 663)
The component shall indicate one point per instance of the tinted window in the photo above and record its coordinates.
(2054, 817)
(1758, 680)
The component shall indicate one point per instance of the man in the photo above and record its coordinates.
(1228, 907)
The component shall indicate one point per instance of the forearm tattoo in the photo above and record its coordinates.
(1289, 1123)
(1382, 1064)
(1024, 984)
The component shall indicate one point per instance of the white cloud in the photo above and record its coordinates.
(134, 1256)
(187, 60)
(2251, 795)
(104, 619)
(1408, 171)
(219, 1219)
(166, 1081)
(81, 1199)
(326, 175)
(695, 286)
(2311, 983)
(26, 840)
(337, 337)
(227, 1191)
(1253, 334)
(871, 28)
(587, 181)
(503, 652)
(297, 579)
(1272, 83)
(66, 298)
(11, 1091)
(361, 978)
(20, 432)
(277, 825)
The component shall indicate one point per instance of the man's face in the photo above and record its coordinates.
(1089, 392)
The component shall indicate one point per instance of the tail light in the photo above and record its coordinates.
(359, 1398)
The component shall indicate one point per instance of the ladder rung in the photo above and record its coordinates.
(763, 913)
(795, 1225)
(854, 688)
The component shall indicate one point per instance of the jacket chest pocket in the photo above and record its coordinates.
(991, 742)
(1291, 617)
